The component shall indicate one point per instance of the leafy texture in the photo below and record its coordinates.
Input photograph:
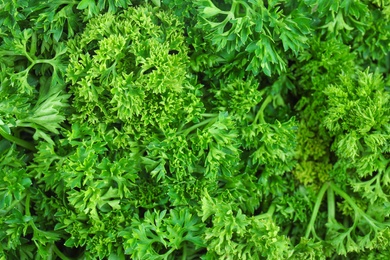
(194, 129)
(143, 84)
(253, 35)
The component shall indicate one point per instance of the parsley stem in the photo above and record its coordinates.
(317, 205)
(269, 212)
(184, 256)
(47, 61)
(205, 122)
(16, 140)
(59, 253)
(346, 197)
(29, 57)
(260, 113)
(33, 45)
(331, 204)
(353, 205)
(10, 207)
(209, 115)
(27, 206)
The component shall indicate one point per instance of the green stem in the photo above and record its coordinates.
(260, 113)
(358, 211)
(316, 209)
(248, 10)
(27, 206)
(10, 207)
(271, 209)
(232, 11)
(59, 253)
(345, 196)
(205, 115)
(16, 140)
(269, 212)
(29, 57)
(47, 61)
(184, 257)
(221, 11)
(209, 115)
(353, 205)
(205, 122)
(33, 45)
(331, 205)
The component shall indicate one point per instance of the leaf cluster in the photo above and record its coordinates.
(236, 129)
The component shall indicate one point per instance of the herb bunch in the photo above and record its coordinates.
(194, 129)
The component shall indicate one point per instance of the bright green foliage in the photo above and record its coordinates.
(234, 235)
(358, 23)
(17, 222)
(357, 114)
(30, 97)
(252, 35)
(235, 129)
(156, 232)
(360, 231)
(142, 84)
(236, 95)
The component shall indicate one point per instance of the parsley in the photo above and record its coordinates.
(194, 129)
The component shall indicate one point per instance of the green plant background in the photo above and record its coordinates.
(178, 129)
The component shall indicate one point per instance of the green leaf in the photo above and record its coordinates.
(85, 4)
(210, 11)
